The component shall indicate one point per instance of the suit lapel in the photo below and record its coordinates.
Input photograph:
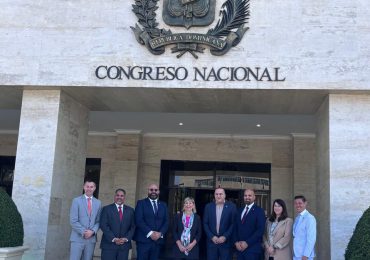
(84, 204)
(280, 223)
(223, 213)
(150, 206)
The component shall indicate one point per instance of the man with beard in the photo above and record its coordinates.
(218, 222)
(151, 225)
(249, 228)
(117, 222)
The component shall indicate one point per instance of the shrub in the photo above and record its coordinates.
(359, 246)
(11, 225)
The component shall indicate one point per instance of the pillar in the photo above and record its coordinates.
(49, 170)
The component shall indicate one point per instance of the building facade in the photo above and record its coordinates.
(280, 104)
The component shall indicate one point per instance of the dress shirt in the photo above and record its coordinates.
(249, 208)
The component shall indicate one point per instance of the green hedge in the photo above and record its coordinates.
(11, 225)
(359, 246)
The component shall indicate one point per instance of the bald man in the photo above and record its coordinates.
(151, 220)
(249, 228)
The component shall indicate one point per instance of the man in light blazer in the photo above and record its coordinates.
(84, 220)
(249, 228)
(218, 223)
(117, 222)
(151, 221)
(304, 231)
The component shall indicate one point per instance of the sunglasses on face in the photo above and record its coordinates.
(153, 189)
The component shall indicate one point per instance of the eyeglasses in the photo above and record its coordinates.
(153, 189)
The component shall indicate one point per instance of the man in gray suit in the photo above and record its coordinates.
(84, 219)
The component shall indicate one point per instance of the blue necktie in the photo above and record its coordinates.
(155, 207)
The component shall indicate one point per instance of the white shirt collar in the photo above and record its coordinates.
(249, 206)
(303, 212)
(86, 197)
(117, 205)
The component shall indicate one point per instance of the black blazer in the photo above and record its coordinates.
(112, 227)
(195, 233)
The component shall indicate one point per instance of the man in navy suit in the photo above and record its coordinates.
(249, 228)
(151, 225)
(117, 222)
(218, 222)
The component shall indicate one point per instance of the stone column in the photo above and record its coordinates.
(344, 168)
(304, 168)
(323, 176)
(49, 169)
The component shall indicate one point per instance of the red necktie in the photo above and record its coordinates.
(120, 213)
(245, 215)
(89, 209)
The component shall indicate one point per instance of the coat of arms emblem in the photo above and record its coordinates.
(227, 33)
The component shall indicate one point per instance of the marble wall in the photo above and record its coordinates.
(318, 44)
(50, 157)
(349, 160)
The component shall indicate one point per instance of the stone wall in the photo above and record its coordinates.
(319, 44)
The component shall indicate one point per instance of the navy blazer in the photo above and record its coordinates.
(252, 229)
(112, 227)
(146, 221)
(195, 233)
(226, 223)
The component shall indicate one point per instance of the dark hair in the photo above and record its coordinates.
(117, 190)
(300, 197)
(89, 180)
(283, 215)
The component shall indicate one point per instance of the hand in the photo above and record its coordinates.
(221, 240)
(190, 246)
(304, 258)
(215, 240)
(155, 235)
(243, 245)
(118, 241)
(237, 245)
(270, 250)
(88, 233)
(180, 246)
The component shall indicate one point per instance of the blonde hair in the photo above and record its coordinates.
(189, 199)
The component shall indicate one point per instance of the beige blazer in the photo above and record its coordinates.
(282, 237)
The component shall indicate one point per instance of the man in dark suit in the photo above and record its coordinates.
(117, 222)
(84, 219)
(218, 222)
(249, 228)
(151, 220)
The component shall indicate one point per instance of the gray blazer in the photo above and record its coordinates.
(81, 221)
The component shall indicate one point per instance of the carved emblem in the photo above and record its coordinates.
(188, 13)
(227, 33)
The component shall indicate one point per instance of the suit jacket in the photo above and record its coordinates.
(113, 227)
(304, 233)
(226, 222)
(251, 231)
(282, 237)
(81, 221)
(146, 221)
(195, 233)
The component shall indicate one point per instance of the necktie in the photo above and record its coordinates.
(155, 207)
(245, 214)
(120, 213)
(89, 208)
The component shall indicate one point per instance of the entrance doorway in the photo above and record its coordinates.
(197, 179)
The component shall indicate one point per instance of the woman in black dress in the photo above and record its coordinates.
(187, 231)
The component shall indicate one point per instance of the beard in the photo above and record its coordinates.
(153, 195)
